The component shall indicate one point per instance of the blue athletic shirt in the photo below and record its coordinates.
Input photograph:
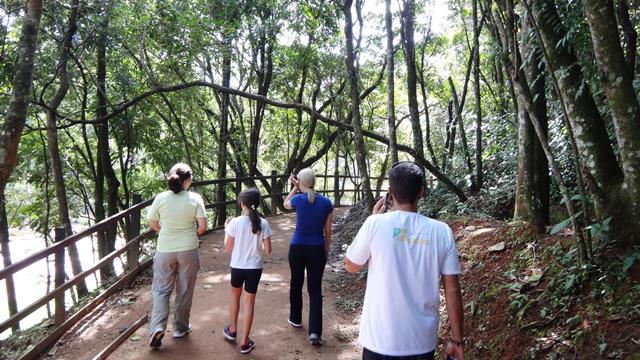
(310, 219)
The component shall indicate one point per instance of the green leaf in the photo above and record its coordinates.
(563, 224)
(628, 263)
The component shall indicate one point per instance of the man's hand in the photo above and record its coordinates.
(454, 351)
(380, 207)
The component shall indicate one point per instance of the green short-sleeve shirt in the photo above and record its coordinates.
(177, 214)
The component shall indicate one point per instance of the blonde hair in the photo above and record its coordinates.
(307, 177)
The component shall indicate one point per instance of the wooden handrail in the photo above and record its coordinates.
(9, 270)
(15, 318)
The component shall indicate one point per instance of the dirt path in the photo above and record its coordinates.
(274, 338)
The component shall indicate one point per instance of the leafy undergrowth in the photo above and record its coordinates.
(530, 300)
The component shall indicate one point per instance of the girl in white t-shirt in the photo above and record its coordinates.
(248, 239)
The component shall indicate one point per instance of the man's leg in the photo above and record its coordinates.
(316, 261)
(188, 263)
(296, 264)
(164, 267)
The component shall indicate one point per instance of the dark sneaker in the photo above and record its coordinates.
(181, 334)
(231, 336)
(156, 338)
(315, 339)
(245, 349)
(295, 325)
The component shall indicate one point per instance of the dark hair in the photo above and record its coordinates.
(405, 180)
(251, 199)
(178, 174)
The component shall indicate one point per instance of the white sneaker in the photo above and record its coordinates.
(180, 334)
(294, 324)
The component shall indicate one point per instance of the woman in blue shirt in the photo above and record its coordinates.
(308, 249)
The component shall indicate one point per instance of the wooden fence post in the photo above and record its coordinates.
(238, 187)
(274, 179)
(336, 189)
(221, 209)
(133, 252)
(60, 234)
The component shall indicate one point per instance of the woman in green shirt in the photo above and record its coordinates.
(179, 217)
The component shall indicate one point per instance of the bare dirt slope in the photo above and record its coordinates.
(274, 338)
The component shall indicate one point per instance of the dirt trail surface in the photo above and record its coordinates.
(274, 338)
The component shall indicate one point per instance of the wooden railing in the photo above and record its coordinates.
(132, 250)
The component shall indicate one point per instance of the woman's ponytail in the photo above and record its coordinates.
(311, 195)
(178, 174)
(251, 199)
(307, 178)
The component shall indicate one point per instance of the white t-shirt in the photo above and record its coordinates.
(407, 252)
(247, 247)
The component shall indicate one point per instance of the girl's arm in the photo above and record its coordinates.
(327, 232)
(228, 243)
(266, 245)
(202, 225)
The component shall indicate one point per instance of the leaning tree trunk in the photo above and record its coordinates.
(14, 120)
(463, 136)
(589, 127)
(355, 107)
(391, 116)
(617, 82)
(54, 148)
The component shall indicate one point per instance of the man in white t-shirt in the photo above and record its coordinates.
(408, 254)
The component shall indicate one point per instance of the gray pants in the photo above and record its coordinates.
(178, 269)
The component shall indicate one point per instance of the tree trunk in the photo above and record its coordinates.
(391, 116)
(355, 107)
(106, 241)
(617, 81)
(505, 27)
(476, 86)
(463, 136)
(13, 125)
(589, 127)
(221, 194)
(410, 58)
(54, 148)
(629, 34)
(534, 73)
(527, 207)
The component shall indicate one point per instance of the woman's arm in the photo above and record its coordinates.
(202, 225)
(154, 225)
(327, 232)
(294, 190)
(266, 245)
(228, 243)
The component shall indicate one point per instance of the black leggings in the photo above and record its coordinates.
(313, 258)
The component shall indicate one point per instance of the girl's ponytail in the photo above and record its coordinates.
(251, 199)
